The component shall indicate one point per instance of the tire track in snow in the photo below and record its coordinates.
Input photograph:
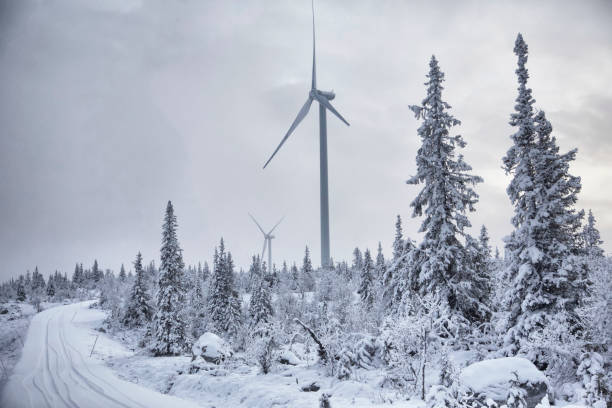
(47, 368)
(93, 386)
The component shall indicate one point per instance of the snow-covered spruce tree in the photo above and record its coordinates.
(234, 310)
(218, 297)
(366, 284)
(308, 280)
(591, 238)
(591, 371)
(446, 196)
(21, 293)
(294, 276)
(138, 312)
(516, 394)
(380, 262)
(396, 279)
(255, 272)
(543, 277)
(260, 307)
(169, 328)
(96, 272)
(483, 240)
(357, 261)
(223, 300)
(122, 274)
(197, 304)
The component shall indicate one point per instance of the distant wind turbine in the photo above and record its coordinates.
(267, 242)
(323, 97)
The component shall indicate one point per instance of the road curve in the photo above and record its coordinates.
(56, 370)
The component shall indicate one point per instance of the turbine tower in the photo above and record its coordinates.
(267, 242)
(323, 97)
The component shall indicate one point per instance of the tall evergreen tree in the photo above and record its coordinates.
(260, 307)
(394, 277)
(223, 300)
(96, 272)
(591, 238)
(51, 286)
(483, 240)
(308, 280)
(357, 260)
(366, 284)
(169, 325)
(122, 274)
(21, 293)
(138, 311)
(446, 196)
(380, 262)
(543, 275)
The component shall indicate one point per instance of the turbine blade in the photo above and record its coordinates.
(301, 114)
(314, 65)
(273, 228)
(258, 226)
(323, 100)
(263, 251)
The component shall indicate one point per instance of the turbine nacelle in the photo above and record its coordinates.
(329, 95)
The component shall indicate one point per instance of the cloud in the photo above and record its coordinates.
(109, 110)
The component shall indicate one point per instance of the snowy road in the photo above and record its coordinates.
(56, 370)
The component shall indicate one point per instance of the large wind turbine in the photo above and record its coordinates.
(267, 242)
(323, 97)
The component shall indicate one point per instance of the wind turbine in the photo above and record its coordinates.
(267, 242)
(323, 97)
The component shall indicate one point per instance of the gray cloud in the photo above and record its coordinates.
(109, 109)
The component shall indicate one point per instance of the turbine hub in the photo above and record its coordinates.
(329, 95)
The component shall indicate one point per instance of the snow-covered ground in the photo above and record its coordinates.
(56, 369)
(14, 321)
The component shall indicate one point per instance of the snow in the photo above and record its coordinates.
(56, 369)
(289, 357)
(492, 377)
(211, 347)
(14, 320)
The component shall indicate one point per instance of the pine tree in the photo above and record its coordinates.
(122, 274)
(544, 277)
(395, 279)
(516, 394)
(234, 311)
(483, 239)
(223, 301)
(138, 311)
(260, 308)
(21, 293)
(96, 272)
(444, 200)
(357, 261)
(255, 273)
(294, 277)
(169, 326)
(366, 285)
(591, 237)
(51, 286)
(307, 272)
(380, 262)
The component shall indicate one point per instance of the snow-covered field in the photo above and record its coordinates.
(56, 369)
(14, 321)
(59, 369)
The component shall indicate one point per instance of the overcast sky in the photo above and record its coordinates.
(108, 109)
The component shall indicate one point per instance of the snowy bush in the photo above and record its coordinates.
(211, 348)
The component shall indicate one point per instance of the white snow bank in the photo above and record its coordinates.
(211, 348)
(288, 357)
(492, 377)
